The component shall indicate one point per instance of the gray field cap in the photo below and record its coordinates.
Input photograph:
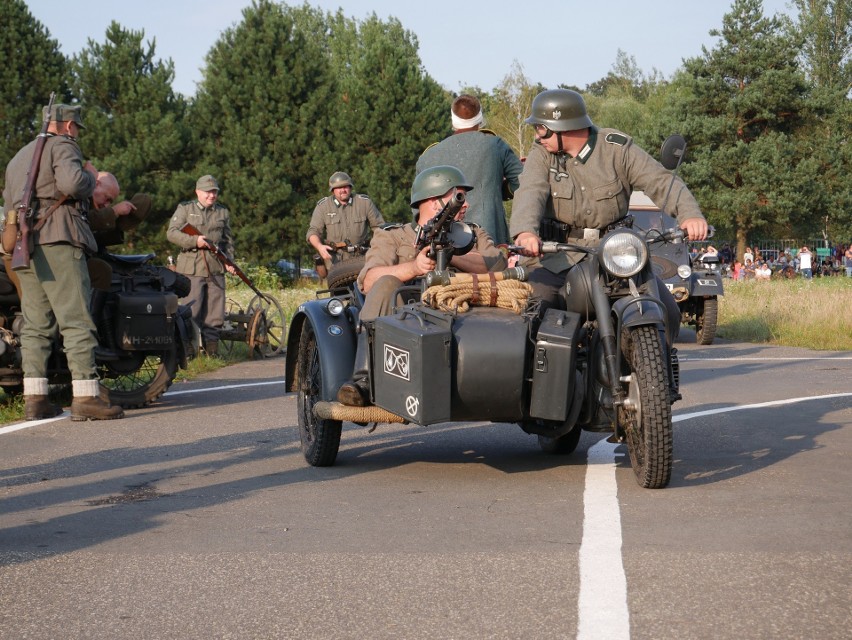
(207, 183)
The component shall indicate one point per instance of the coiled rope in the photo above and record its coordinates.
(486, 292)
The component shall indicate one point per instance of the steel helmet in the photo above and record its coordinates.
(339, 179)
(560, 110)
(436, 181)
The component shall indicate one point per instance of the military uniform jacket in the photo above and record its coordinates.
(61, 174)
(213, 223)
(593, 190)
(351, 221)
(485, 159)
(395, 245)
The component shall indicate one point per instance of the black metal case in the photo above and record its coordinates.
(145, 321)
(412, 355)
(553, 365)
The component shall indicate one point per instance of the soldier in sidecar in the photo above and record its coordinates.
(396, 257)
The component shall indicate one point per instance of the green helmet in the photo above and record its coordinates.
(436, 181)
(560, 110)
(339, 179)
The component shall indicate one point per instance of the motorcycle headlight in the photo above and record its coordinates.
(623, 254)
(684, 271)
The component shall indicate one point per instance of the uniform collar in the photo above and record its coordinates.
(589, 147)
(337, 202)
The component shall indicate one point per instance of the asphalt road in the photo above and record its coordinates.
(198, 518)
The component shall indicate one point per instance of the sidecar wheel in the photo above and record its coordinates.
(139, 378)
(320, 438)
(646, 415)
(342, 274)
(563, 445)
(705, 330)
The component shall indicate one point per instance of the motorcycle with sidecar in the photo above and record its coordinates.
(600, 364)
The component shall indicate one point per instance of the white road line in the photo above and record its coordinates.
(62, 416)
(688, 358)
(602, 606)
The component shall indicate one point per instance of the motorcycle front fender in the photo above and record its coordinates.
(336, 343)
(649, 309)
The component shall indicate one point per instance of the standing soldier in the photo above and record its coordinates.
(485, 159)
(341, 217)
(55, 287)
(205, 272)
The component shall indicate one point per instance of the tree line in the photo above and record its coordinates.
(291, 94)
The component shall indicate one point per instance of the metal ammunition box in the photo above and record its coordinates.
(145, 321)
(412, 354)
(553, 365)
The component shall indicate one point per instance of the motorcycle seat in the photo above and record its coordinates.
(133, 260)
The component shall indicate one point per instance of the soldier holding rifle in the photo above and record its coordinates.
(204, 270)
(342, 217)
(51, 266)
(394, 259)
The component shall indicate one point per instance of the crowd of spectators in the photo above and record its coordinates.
(757, 264)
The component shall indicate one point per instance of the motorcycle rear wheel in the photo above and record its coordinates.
(139, 378)
(646, 416)
(320, 438)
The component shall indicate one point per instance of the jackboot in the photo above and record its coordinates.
(105, 349)
(37, 405)
(87, 404)
(356, 392)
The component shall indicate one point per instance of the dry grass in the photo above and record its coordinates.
(814, 314)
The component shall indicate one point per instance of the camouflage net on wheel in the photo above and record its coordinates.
(459, 297)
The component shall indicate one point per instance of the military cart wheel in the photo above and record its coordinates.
(646, 415)
(229, 328)
(342, 274)
(320, 438)
(705, 329)
(563, 445)
(269, 337)
(139, 378)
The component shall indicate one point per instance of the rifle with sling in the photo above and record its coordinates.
(225, 260)
(23, 215)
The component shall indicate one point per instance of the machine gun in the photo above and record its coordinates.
(444, 236)
(21, 252)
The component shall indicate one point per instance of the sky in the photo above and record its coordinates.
(461, 44)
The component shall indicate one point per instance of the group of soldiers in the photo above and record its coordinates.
(575, 183)
(63, 285)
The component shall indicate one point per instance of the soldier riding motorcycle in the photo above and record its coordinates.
(598, 363)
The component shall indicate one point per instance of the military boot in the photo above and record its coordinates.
(212, 348)
(87, 404)
(356, 392)
(37, 405)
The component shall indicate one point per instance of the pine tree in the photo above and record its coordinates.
(261, 119)
(135, 125)
(31, 67)
(387, 110)
(739, 105)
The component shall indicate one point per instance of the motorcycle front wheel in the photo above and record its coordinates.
(320, 438)
(139, 377)
(646, 415)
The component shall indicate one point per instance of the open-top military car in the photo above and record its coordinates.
(695, 284)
